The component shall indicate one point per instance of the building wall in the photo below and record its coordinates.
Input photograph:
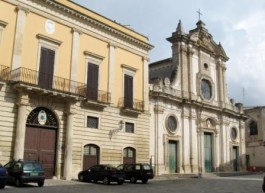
(78, 36)
(255, 143)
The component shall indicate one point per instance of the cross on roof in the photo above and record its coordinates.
(199, 13)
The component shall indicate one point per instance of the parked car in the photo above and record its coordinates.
(105, 173)
(134, 172)
(263, 185)
(3, 176)
(20, 172)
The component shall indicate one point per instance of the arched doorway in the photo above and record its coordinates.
(129, 155)
(40, 139)
(91, 156)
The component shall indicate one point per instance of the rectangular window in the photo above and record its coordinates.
(128, 91)
(92, 122)
(92, 81)
(46, 70)
(129, 127)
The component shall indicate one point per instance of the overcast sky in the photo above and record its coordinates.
(238, 24)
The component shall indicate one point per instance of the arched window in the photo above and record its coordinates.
(129, 155)
(253, 128)
(91, 156)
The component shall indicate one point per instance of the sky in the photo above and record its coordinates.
(238, 24)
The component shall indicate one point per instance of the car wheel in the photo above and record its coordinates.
(40, 184)
(2, 186)
(18, 182)
(120, 182)
(106, 180)
(144, 181)
(81, 178)
(133, 180)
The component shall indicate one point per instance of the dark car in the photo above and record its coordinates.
(20, 172)
(105, 173)
(3, 176)
(134, 172)
(263, 185)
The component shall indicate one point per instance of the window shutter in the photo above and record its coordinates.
(92, 81)
(128, 91)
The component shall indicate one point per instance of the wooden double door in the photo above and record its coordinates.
(40, 145)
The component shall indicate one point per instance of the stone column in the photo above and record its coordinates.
(22, 103)
(19, 36)
(146, 83)
(75, 53)
(111, 74)
(69, 142)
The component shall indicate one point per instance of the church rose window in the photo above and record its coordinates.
(206, 89)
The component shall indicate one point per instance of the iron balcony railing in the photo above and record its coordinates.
(4, 73)
(130, 103)
(45, 81)
(93, 94)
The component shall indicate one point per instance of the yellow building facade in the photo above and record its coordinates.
(74, 87)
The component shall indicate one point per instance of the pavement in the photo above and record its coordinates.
(246, 176)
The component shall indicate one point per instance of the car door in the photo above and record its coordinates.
(9, 166)
(90, 173)
(100, 173)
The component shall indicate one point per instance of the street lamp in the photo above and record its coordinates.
(120, 124)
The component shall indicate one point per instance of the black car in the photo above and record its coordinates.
(3, 176)
(139, 171)
(263, 185)
(105, 173)
(20, 172)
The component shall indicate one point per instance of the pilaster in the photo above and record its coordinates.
(19, 36)
(184, 71)
(145, 83)
(75, 53)
(69, 142)
(22, 103)
(111, 74)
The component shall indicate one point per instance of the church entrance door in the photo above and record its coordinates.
(208, 152)
(235, 158)
(172, 153)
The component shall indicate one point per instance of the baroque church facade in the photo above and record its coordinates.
(195, 127)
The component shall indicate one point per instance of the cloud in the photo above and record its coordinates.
(238, 24)
(247, 67)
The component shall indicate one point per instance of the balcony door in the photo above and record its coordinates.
(92, 81)
(128, 91)
(46, 69)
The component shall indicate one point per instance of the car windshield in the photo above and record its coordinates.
(32, 166)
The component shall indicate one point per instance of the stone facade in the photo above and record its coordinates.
(195, 128)
(255, 138)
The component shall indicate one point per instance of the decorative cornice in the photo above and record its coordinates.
(46, 38)
(97, 23)
(129, 67)
(3, 24)
(87, 53)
